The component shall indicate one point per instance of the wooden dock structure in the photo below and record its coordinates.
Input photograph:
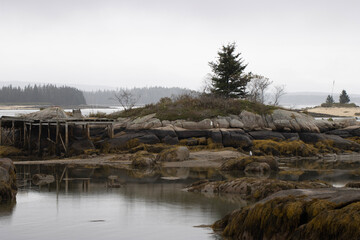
(23, 132)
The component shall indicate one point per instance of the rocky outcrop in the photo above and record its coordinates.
(263, 135)
(48, 113)
(297, 214)
(8, 187)
(334, 140)
(235, 138)
(143, 159)
(253, 189)
(242, 163)
(173, 154)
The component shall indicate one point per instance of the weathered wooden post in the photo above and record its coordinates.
(88, 131)
(49, 135)
(25, 134)
(66, 137)
(57, 138)
(29, 138)
(39, 139)
(112, 130)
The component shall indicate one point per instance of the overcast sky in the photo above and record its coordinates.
(303, 44)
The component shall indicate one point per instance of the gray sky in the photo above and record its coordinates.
(300, 43)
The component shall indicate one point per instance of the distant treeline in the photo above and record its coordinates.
(42, 94)
(144, 95)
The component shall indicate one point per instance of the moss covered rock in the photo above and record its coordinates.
(284, 148)
(297, 214)
(8, 187)
(173, 154)
(143, 159)
(242, 162)
(253, 189)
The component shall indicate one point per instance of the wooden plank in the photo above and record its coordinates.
(57, 132)
(62, 142)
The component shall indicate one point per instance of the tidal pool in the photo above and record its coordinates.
(133, 211)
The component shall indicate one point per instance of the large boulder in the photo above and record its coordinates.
(235, 123)
(328, 213)
(129, 139)
(204, 124)
(264, 135)
(221, 122)
(173, 154)
(352, 131)
(252, 121)
(184, 133)
(143, 159)
(297, 122)
(236, 139)
(216, 136)
(47, 113)
(8, 188)
(333, 140)
(162, 132)
(170, 140)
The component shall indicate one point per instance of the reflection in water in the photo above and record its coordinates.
(6, 209)
(136, 210)
(111, 203)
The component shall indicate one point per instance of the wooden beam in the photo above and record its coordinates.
(49, 135)
(62, 142)
(111, 131)
(57, 138)
(88, 131)
(29, 138)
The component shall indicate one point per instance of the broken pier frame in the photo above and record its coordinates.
(22, 132)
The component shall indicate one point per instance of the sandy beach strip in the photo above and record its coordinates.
(337, 111)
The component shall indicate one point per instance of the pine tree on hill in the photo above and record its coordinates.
(329, 100)
(229, 78)
(344, 97)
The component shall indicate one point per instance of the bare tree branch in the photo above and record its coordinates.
(257, 87)
(126, 99)
(279, 91)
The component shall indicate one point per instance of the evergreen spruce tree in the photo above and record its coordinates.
(229, 79)
(344, 97)
(329, 100)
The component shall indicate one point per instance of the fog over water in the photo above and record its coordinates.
(305, 45)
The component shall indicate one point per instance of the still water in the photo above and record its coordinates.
(84, 111)
(133, 211)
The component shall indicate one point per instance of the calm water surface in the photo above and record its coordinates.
(134, 211)
(85, 111)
